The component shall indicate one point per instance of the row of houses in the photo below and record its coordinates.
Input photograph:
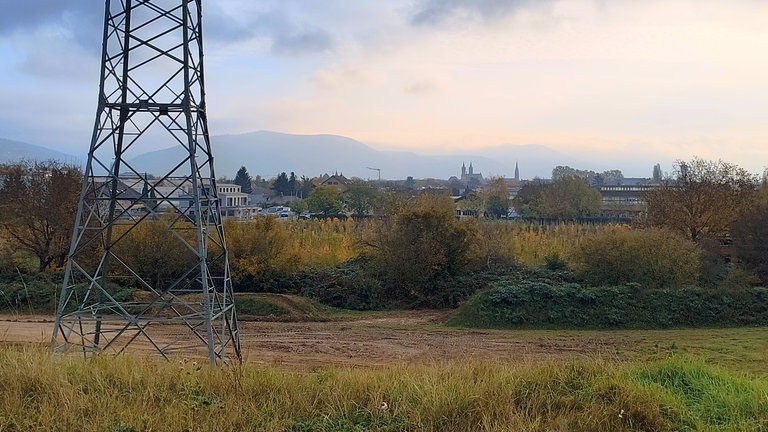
(137, 196)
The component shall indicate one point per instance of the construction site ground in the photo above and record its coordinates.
(420, 337)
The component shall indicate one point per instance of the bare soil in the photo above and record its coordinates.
(392, 338)
(419, 337)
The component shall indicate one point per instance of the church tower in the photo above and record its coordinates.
(517, 173)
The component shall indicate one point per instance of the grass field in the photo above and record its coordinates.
(42, 392)
(410, 373)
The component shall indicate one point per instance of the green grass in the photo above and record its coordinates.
(44, 392)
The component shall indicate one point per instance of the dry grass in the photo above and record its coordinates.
(43, 392)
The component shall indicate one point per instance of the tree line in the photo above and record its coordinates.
(705, 225)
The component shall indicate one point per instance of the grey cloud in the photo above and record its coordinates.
(82, 18)
(433, 12)
(33, 14)
(85, 19)
(221, 27)
(302, 42)
(288, 36)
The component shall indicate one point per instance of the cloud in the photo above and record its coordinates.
(420, 87)
(288, 34)
(435, 12)
(77, 17)
(25, 15)
(302, 42)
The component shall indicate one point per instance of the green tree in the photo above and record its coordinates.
(496, 207)
(360, 197)
(298, 206)
(303, 187)
(38, 203)
(325, 200)
(243, 179)
(280, 185)
(569, 198)
(496, 198)
(528, 199)
(292, 183)
(703, 201)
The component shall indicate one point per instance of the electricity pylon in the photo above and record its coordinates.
(151, 95)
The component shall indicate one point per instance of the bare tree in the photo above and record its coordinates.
(38, 203)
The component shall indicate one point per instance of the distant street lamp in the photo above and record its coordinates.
(377, 170)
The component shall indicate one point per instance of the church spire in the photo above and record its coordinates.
(517, 172)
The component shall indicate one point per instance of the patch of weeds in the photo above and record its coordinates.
(192, 392)
(121, 427)
(259, 307)
(358, 420)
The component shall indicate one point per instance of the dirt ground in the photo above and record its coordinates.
(420, 338)
(398, 338)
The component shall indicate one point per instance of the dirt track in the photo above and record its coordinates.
(408, 337)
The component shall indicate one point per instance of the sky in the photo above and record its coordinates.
(653, 80)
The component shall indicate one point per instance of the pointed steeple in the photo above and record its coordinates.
(517, 172)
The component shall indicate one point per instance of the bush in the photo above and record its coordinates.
(653, 258)
(551, 301)
(37, 293)
(420, 248)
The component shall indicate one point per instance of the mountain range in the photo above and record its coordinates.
(15, 151)
(268, 153)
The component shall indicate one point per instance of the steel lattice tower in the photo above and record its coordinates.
(151, 95)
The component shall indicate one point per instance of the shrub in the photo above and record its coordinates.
(550, 301)
(420, 247)
(653, 258)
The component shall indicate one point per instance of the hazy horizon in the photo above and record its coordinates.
(637, 81)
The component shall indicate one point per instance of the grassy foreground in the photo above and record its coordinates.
(43, 392)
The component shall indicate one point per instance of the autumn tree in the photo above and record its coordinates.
(421, 245)
(750, 235)
(703, 200)
(38, 203)
(243, 179)
(154, 252)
